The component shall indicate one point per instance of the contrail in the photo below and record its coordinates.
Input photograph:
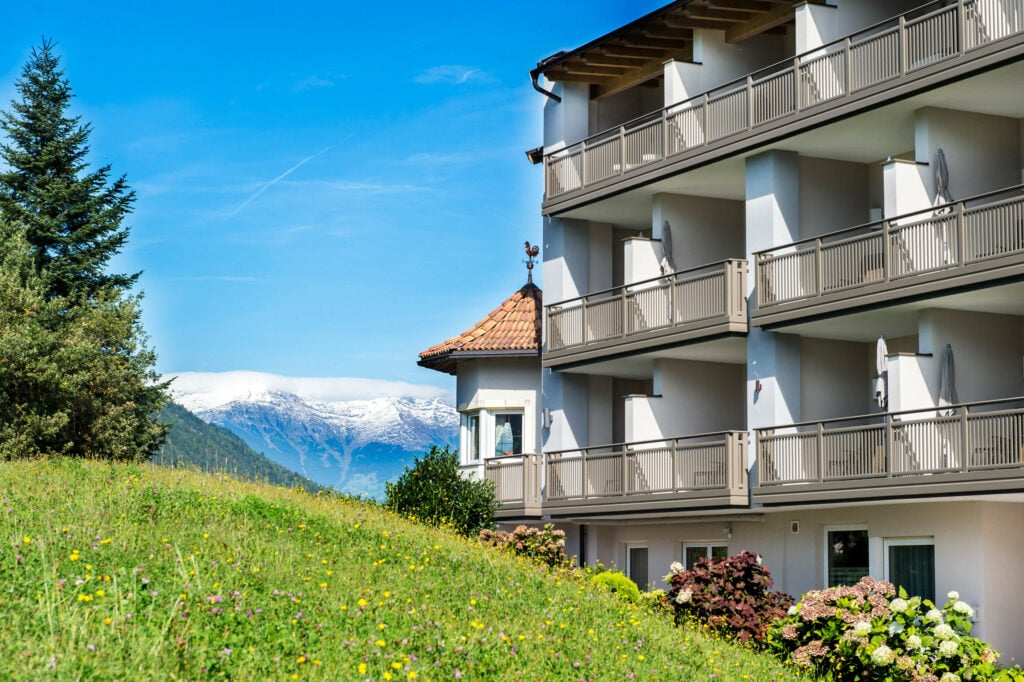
(278, 179)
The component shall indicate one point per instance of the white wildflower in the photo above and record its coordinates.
(948, 648)
(943, 631)
(913, 642)
(883, 655)
(684, 596)
(898, 605)
(964, 608)
(793, 610)
(933, 616)
(676, 568)
(953, 595)
(949, 677)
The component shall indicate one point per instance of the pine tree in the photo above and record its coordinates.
(71, 216)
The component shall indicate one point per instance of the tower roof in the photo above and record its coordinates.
(511, 330)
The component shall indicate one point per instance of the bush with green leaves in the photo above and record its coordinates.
(619, 583)
(730, 596)
(433, 491)
(869, 632)
(546, 545)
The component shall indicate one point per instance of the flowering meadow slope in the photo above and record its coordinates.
(140, 572)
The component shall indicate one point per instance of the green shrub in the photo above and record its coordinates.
(730, 596)
(434, 491)
(656, 601)
(619, 583)
(866, 632)
(546, 545)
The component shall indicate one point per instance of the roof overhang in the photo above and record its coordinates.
(448, 362)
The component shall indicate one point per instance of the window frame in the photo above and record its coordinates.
(629, 563)
(472, 439)
(521, 413)
(827, 547)
(708, 546)
(913, 541)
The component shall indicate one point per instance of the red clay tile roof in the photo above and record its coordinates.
(513, 328)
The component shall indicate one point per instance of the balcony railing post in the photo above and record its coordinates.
(664, 133)
(674, 453)
(796, 83)
(585, 487)
(964, 441)
(730, 267)
(583, 163)
(706, 136)
(961, 234)
(903, 44)
(750, 102)
(819, 275)
(820, 441)
(889, 445)
(671, 300)
(847, 66)
(622, 150)
(625, 313)
(623, 490)
(584, 333)
(886, 250)
(961, 26)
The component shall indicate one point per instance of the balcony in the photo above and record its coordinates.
(517, 485)
(692, 472)
(932, 45)
(684, 306)
(959, 449)
(939, 250)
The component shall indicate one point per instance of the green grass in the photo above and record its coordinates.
(141, 572)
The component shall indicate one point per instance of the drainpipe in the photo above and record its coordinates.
(541, 65)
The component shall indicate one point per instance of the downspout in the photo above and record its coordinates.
(536, 72)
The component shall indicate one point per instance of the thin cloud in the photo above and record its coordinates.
(358, 186)
(311, 83)
(278, 179)
(451, 74)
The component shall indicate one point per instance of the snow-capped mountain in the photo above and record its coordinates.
(319, 427)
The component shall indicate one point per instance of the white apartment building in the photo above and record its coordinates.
(783, 262)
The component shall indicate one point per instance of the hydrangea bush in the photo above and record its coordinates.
(730, 596)
(870, 632)
(546, 544)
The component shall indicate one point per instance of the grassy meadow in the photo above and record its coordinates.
(141, 572)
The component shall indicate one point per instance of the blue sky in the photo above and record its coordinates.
(324, 189)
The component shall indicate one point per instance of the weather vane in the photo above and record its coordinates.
(531, 253)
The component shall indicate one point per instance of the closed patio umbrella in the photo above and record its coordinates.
(947, 381)
(882, 368)
(942, 196)
(668, 265)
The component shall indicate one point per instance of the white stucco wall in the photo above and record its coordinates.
(566, 254)
(566, 122)
(833, 195)
(982, 151)
(835, 379)
(642, 258)
(704, 230)
(722, 62)
(905, 187)
(613, 110)
(600, 410)
(497, 384)
(599, 261)
(566, 397)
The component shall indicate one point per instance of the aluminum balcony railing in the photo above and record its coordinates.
(973, 235)
(517, 483)
(684, 302)
(976, 443)
(843, 69)
(708, 469)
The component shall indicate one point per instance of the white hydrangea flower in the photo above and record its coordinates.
(948, 648)
(949, 677)
(676, 568)
(933, 616)
(964, 608)
(793, 610)
(898, 605)
(953, 595)
(913, 642)
(943, 631)
(862, 628)
(684, 596)
(883, 655)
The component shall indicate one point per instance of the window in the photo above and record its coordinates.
(693, 552)
(846, 551)
(910, 564)
(636, 565)
(508, 433)
(472, 444)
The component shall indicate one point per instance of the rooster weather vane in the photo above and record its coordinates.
(531, 253)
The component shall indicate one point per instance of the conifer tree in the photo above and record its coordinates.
(72, 216)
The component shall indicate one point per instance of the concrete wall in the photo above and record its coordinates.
(600, 410)
(614, 110)
(566, 253)
(833, 195)
(835, 379)
(642, 258)
(905, 187)
(566, 122)
(704, 230)
(566, 397)
(601, 255)
(982, 151)
(987, 350)
(817, 25)
(689, 398)
(1003, 600)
